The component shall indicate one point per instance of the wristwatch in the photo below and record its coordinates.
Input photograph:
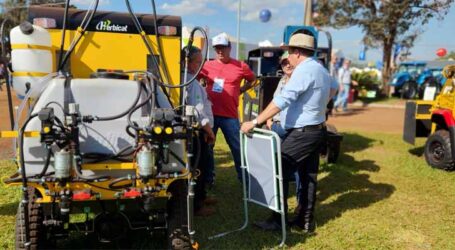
(255, 122)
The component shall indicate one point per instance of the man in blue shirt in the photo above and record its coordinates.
(302, 104)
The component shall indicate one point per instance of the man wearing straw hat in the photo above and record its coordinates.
(302, 104)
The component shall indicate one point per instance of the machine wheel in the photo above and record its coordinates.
(178, 237)
(438, 152)
(37, 229)
(409, 90)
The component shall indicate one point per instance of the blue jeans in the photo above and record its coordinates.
(231, 129)
(343, 96)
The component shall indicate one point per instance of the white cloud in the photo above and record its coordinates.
(187, 7)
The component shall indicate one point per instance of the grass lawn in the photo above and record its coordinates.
(380, 195)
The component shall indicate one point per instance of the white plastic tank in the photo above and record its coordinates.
(31, 58)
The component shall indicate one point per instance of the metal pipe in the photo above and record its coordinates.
(238, 29)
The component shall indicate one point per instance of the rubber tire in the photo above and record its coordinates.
(37, 229)
(438, 153)
(177, 231)
(409, 90)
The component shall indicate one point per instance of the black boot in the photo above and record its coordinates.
(272, 223)
(304, 223)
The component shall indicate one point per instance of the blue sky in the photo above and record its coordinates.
(221, 16)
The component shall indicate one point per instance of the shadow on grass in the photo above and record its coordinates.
(417, 151)
(346, 187)
(8, 208)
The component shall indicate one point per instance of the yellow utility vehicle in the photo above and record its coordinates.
(435, 120)
(102, 131)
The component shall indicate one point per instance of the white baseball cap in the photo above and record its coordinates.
(220, 39)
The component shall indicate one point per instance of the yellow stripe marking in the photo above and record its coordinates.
(15, 134)
(29, 46)
(35, 74)
(109, 166)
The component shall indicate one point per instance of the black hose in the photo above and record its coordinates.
(65, 20)
(151, 96)
(160, 47)
(198, 149)
(138, 26)
(180, 160)
(109, 118)
(6, 73)
(25, 200)
(70, 50)
(118, 180)
(200, 66)
(46, 164)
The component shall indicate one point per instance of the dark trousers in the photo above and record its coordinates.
(300, 152)
(199, 190)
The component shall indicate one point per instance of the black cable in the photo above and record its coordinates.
(46, 164)
(177, 157)
(109, 118)
(25, 200)
(65, 20)
(160, 47)
(151, 96)
(138, 26)
(118, 180)
(73, 45)
(96, 186)
(198, 149)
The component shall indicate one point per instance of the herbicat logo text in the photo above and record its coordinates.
(107, 26)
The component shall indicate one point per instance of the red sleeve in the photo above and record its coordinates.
(202, 74)
(247, 72)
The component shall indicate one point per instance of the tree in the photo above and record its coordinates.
(16, 10)
(449, 56)
(384, 22)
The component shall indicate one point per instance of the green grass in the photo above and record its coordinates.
(380, 195)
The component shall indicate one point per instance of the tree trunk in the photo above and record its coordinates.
(386, 70)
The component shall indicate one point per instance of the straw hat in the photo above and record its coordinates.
(300, 40)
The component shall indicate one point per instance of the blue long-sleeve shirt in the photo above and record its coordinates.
(304, 98)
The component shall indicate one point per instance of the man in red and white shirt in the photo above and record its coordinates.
(223, 77)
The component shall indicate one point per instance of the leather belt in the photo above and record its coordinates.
(309, 128)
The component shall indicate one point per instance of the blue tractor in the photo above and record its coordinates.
(405, 79)
(430, 77)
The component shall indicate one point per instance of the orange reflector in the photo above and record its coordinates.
(81, 196)
(167, 30)
(132, 193)
(47, 23)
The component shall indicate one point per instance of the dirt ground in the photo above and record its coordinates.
(370, 119)
(5, 144)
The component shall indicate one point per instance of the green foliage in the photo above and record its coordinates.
(450, 55)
